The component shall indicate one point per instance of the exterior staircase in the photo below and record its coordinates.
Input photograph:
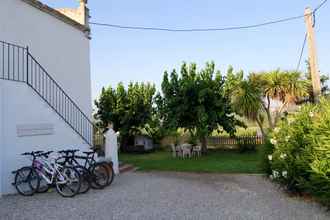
(17, 64)
(124, 168)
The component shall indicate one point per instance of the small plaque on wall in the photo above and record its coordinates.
(34, 129)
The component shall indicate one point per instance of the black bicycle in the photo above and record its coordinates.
(96, 175)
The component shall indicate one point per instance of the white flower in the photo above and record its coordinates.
(283, 156)
(311, 114)
(273, 141)
(285, 174)
(276, 174)
(290, 121)
(287, 138)
(270, 157)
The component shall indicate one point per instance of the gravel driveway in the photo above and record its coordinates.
(162, 195)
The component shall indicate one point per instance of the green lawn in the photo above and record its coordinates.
(221, 161)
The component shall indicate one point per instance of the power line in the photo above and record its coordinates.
(199, 29)
(320, 6)
(301, 52)
(316, 9)
(119, 26)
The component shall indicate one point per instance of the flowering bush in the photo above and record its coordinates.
(301, 151)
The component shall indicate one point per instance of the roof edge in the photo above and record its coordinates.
(53, 12)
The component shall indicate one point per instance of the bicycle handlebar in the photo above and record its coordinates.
(32, 153)
(45, 154)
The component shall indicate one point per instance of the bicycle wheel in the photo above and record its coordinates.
(85, 179)
(26, 181)
(111, 173)
(43, 186)
(100, 176)
(68, 182)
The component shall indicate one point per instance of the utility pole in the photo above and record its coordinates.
(315, 74)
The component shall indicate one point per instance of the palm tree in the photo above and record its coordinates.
(247, 101)
(284, 86)
(252, 97)
(293, 89)
(269, 88)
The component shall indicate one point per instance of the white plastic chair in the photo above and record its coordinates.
(197, 151)
(176, 151)
(186, 150)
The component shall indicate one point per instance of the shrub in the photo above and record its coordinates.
(267, 149)
(246, 144)
(301, 157)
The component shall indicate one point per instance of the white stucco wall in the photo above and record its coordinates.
(1, 138)
(64, 52)
(60, 48)
(36, 111)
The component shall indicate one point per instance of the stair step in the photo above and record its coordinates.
(126, 168)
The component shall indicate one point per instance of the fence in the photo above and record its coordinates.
(218, 141)
(235, 140)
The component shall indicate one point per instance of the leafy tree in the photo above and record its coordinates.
(196, 101)
(155, 127)
(129, 110)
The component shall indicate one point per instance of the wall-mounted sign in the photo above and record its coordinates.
(34, 129)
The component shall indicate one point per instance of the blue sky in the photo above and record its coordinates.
(126, 55)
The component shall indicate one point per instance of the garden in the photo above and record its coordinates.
(216, 161)
(277, 110)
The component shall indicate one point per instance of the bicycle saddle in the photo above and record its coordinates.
(68, 151)
(89, 152)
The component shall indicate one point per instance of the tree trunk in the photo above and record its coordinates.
(203, 141)
(269, 116)
(279, 113)
(261, 128)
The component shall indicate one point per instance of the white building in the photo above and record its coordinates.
(45, 89)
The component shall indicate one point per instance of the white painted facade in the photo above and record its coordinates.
(35, 112)
(63, 51)
(60, 48)
(1, 139)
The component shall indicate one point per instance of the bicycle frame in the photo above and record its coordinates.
(87, 160)
(45, 166)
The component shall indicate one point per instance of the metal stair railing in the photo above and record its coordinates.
(17, 64)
